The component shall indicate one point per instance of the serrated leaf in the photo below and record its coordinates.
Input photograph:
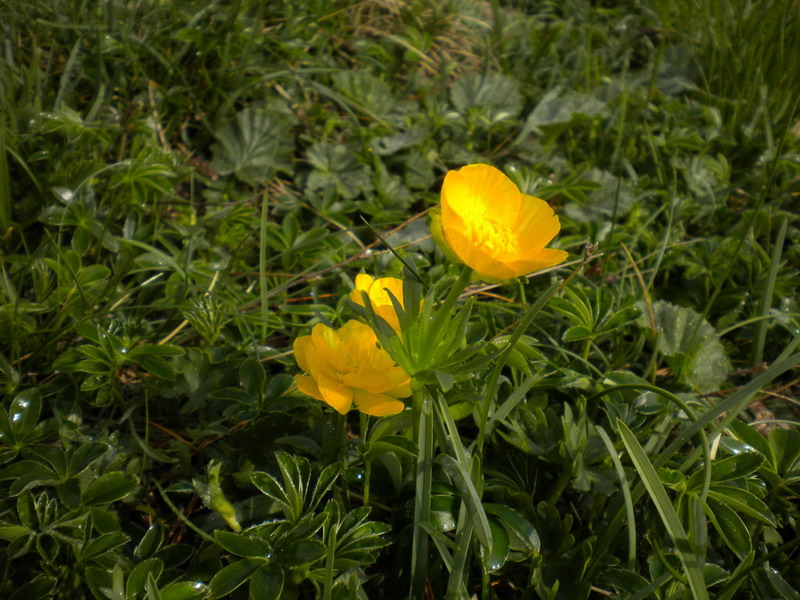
(498, 95)
(690, 344)
(556, 108)
(255, 145)
(337, 169)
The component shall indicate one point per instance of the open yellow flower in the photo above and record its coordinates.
(378, 297)
(493, 228)
(346, 367)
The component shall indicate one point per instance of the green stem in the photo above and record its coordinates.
(327, 593)
(364, 422)
(422, 501)
(563, 480)
(445, 311)
(491, 385)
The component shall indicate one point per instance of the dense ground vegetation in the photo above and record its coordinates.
(187, 186)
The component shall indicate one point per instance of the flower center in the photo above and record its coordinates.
(494, 236)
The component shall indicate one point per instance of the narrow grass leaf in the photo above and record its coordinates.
(692, 568)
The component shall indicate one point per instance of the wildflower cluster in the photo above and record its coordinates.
(484, 222)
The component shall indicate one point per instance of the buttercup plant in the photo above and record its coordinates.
(488, 224)
(346, 368)
(378, 291)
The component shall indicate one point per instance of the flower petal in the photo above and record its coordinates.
(537, 225)
(546, 258)
(377, 405)
(308, 386)
(476, 190)
(390, 316)
(376, 382)
(335, 394)
(363, 284)
(304, 352)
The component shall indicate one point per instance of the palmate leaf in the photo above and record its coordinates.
(496, 94)
(690, 344)
(556, 108)
(255, 144)
(336, 168)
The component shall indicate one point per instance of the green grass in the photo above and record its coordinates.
(187, 187)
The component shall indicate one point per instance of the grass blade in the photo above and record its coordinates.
(689, 559)
(766, 298)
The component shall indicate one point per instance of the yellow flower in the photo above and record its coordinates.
(378, 297)
(347, 367)
(493, 228)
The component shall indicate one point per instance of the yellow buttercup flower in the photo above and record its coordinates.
(495, 229)
(346, 367)
(378, 297)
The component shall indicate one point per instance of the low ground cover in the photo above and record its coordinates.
(189, 189)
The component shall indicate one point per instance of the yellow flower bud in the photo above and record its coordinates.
(345, 367)
(378, 297)
(495, 229)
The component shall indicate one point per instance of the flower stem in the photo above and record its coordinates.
(421, 402)
(491, 385)
(445, 311)
(364, 422)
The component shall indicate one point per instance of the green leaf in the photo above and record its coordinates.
(23, 414)
(41, 586)
(267, 582)
(729, 525)
(102, 545)
(470, 497)
(242, 545)
(255, 145)
(497, 95)
(576, 333)
(300, 553)
(137, 579)
(358, 540)
(730, 468)
(365, 90)
(337, 169)
(496, 556)
(555, 108)
(785, 446)
(691, 345)
(232, 576)
(398, 444)
(516, 524)
(10, 532)
(150, 543)
(155, 365)
(109, 487)
(689, 559)
(184, 590)
(252, 376)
